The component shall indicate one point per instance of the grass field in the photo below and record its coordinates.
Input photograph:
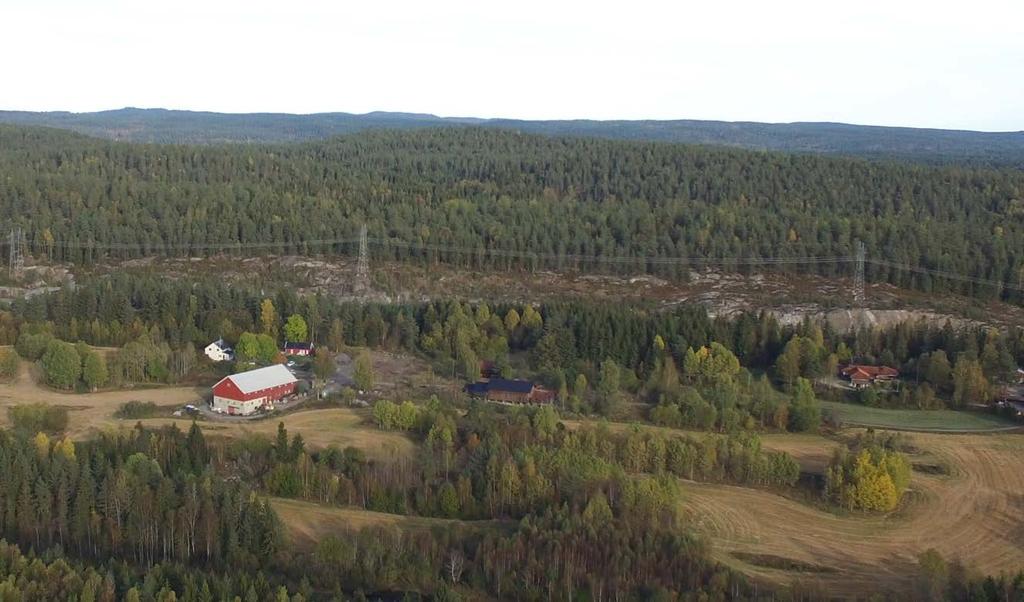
(307, 522)
(917, 420)
(973, 515)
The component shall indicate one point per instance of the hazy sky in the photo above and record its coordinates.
(892, 62)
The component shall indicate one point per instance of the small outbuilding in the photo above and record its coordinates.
(299, 349)
(246, 392)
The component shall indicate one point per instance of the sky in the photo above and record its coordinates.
(957, 65)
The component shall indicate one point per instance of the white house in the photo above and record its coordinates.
(218, 351)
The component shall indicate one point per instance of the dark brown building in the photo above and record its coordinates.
(511, 391)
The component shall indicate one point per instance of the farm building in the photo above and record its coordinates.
(302, 349)
(510, 391)
(219, 351)
(246, 392)
(861, 376)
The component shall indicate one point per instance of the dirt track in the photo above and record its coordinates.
(976, 515)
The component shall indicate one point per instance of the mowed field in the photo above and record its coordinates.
(975, 514)
(307, 523)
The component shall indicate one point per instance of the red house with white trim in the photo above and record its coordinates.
(244, 393)
(300, 349)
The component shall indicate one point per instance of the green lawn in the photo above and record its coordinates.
(916, 420)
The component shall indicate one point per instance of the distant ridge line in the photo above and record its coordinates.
(927, 145)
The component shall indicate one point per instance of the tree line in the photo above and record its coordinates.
(587, 351)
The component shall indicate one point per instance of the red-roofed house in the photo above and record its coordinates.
(861, 375)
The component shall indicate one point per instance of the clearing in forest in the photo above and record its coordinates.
(973, 514)
(308, 523)
(86, 410)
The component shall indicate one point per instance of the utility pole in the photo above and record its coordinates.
(858, 276)
(16, 259)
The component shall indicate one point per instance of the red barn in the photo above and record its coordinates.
(246, 392)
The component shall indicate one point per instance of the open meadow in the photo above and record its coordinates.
(973, 514)
(307, 523)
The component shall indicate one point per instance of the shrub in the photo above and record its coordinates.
(38, 417)
(136, 409)
(32, 346)
(8, 364)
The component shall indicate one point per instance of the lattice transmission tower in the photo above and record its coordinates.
(858, 275)
(16, 254)
(363, 266)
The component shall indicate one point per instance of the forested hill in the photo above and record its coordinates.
(925, 145)
(498, 200)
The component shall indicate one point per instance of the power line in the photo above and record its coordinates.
(560, 258)
(943, 274)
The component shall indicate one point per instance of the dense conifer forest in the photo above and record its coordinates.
(501, 200)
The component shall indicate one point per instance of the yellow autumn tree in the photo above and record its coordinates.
(873, 487)
(66, 448)
(42, 443)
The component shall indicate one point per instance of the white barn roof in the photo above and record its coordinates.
(262, 378)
